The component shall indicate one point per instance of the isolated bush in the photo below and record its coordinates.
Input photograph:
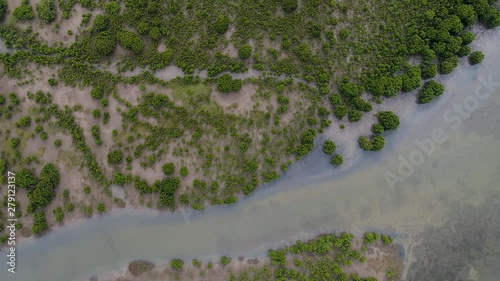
(340, 111)
(335, 99)
(364, 143)
(378, 142)
(101, 208)
(221, 24)
(377, 129)
(184, 171)
(104, 45)
(354, 115)
(177, 264)
(227, 84)
(39, 224)
(46, 10)
(337, 160)
(58, 212)
(115, 157)
(388, 120)
(24, 11)
(429, 91)
(225, 260)
(168, 168)
(476, 57)
(23, 122)
(96, 92)
(130, 40)
(52, 82)
(245, 51)
(329, 147)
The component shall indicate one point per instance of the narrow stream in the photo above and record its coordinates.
(443, 208)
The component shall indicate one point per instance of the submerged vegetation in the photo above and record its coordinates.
(260, 81)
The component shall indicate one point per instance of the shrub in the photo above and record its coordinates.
(101, 23)
(3, 9)
(448, 64)
(335, 99)
(361, 105)
(307, 142)
(115, 157)
(168, 168)
(411, 79)
(364, 143)
(245, 51)
(221, 24)
(23, 122)
(46, 10)
(377, 129)
(476, 57)
(104, 44)
(104, 102)
(196, 263)
(227, 84)
(26, 179)
(184, 171)
(466, 14)
(429, 91)
(57, 143)
(225, 260)
(370, 237)
(329, 147)
(464, 51)
(337, 160)
(69, 207)
(354, 115)
(24, 11)
(467, 37)
(112, 8)
(429, 71)
(101, 208)
(177, 264)
(58, 212)
(344, 33)
(388, 120)
(39, 224)
(96, 113)
(86, 189)
(387, 240)
(378, 142)
(66, 194)
(130, 40)
(52, 82)
(340, 111)
(289, 5)
(14, 142)
(97, 92)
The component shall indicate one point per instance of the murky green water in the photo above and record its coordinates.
(444, 209)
